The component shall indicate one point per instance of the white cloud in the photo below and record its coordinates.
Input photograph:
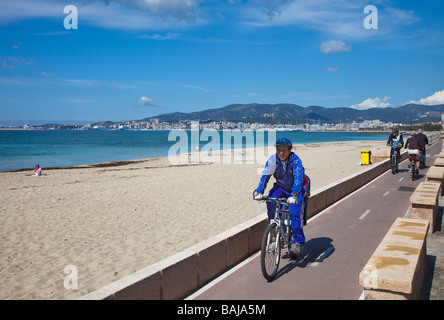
(434, 99)
(331, 69)
(334, 46)
(178, 9)
(25, 9)
(195, 87)
(46, 74)
(157, 36)
(123, 15)
(13, 62)
(372, 103)
(146, 102)
(13, 10)
(340, 18)
(109, 14)
(5, 81)
(95, 84)
(76, 101)
(272, 8)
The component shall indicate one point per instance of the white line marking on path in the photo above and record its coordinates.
(401, 179)
(386, 194)
(364, 214)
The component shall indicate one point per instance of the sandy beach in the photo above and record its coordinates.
(112, 220)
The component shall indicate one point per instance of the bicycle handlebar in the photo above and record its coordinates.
(284, 200)
(395, 145)
(265, 198)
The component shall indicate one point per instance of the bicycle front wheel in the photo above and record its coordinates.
(394, 164)
(270, 252)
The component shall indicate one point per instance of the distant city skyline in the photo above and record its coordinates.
(87, 61)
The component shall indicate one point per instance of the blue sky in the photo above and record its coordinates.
(130, 59)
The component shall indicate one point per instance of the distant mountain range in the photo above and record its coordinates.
(294, 114)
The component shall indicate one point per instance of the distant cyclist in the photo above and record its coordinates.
(423, 141)
(286, 167)
(413, 143)
(397, 138)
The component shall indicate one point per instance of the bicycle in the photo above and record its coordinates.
(394, 161)
(414, 156)
(277, 236)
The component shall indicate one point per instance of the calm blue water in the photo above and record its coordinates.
(58, 148)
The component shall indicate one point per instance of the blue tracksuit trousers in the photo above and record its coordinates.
(296, 211)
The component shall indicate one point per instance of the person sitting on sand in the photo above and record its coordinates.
(37, 171)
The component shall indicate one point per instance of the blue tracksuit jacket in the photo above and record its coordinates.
(289, 177)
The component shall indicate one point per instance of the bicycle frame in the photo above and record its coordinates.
(395, 146)
(413, 158)
(394, 156)
(282, 218)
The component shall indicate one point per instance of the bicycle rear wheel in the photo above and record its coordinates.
(413, 171)
(270, 252)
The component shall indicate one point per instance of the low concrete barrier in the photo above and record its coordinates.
(439, 162)
(435, 174)
(424, 202)
(396, 269)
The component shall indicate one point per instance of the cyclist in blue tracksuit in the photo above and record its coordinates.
(286, 167)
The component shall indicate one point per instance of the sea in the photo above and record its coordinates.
(23, 149)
